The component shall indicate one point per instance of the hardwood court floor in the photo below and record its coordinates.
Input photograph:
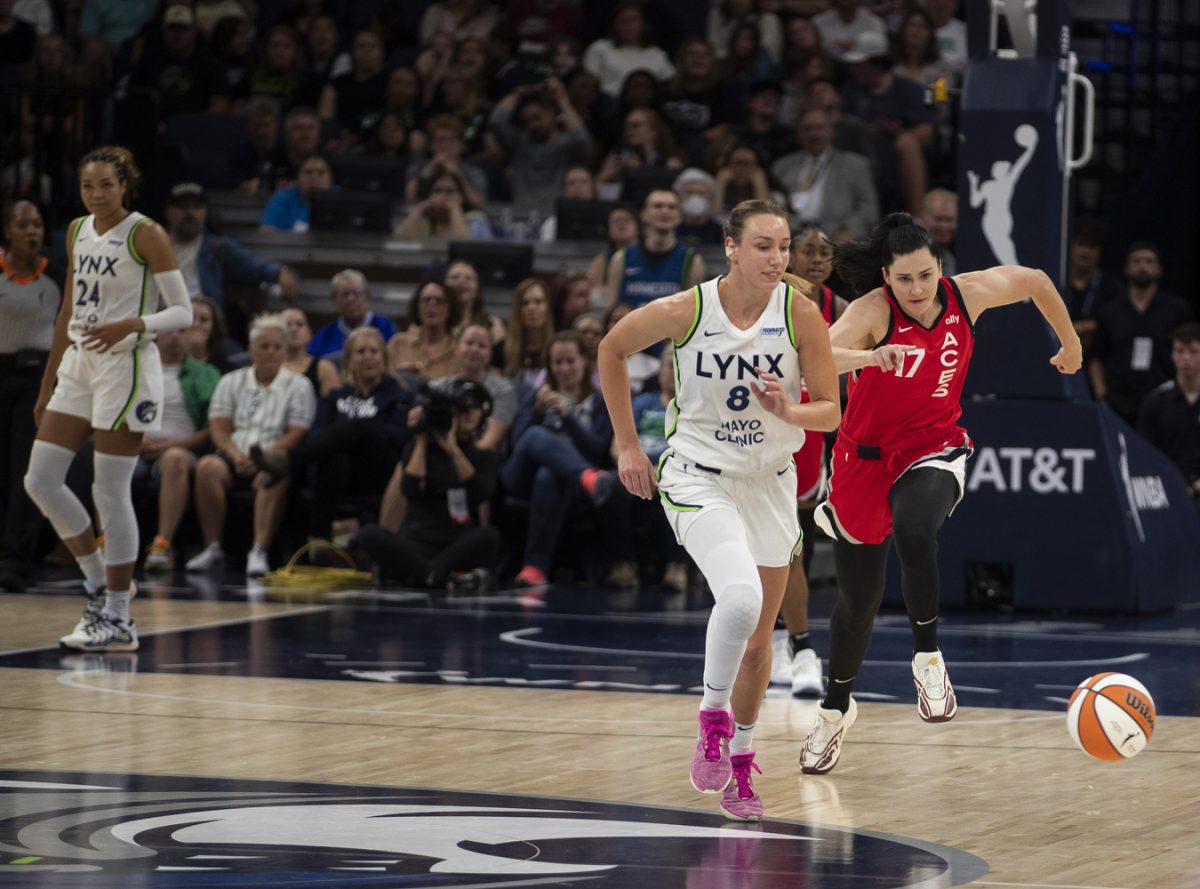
(211, 696)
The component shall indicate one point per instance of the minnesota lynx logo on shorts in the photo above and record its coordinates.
(146, 411)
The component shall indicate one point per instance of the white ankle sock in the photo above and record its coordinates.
(118, 602)
(92, 566)
(743, 738)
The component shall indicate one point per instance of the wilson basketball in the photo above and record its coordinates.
(1111, 716)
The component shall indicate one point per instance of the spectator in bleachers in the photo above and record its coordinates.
(578, 185)
(895, 108)
(182, 76)
(212, 263)
(566, 53)
(560, 442)
(301, 140)
(473, 350)
(761, 130)
(391, 139)
(105, 26)
(800, 40)
(745, 62)
(458, 17)
(403, 99)
(595, 108)
(646, 143)
(549, 137)
(939, 214)
(230, 45)
(1169, 417)
(356, 99)
(530, 327)
(351, 295)
(256, 162)
(917, 56)
(659, 264)
(699, 106)
(444, 211)
(446, 146)
(641, 90)
(432, 530)
(740, 177)
(289, 208)
(170, 456)
(825, 185)
(1131, 348)
(1089, 288)
(322, 374)
(326, 59)
(845, 23)
(282, 72)
(951, 32)
(263, 405)
(591, 331)
(30, 295)
(696, 190)
(464, 96)
(622, 232)
(799, 72)
(426, 346)
(17, 41)
(628, 48)
(724, 17)
(570, 300)
(208, 337)
(849, 133)
(462, 281)
(433, 63)
(357, 437)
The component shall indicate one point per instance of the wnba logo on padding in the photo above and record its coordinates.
(146, 411)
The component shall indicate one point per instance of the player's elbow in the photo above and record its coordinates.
(829, 417)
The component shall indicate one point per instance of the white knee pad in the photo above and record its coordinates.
(45, 482)
(114, 500)
(718, 544)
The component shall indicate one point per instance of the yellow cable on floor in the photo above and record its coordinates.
(316, 578)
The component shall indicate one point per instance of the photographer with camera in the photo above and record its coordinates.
(430, 533)
(550, 136)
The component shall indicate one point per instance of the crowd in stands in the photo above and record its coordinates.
(437, 427)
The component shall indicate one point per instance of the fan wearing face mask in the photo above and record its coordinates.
(696, 190)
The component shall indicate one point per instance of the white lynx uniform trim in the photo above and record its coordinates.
(715, 420)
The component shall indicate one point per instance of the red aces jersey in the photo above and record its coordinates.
(921, 398)
(827, 302)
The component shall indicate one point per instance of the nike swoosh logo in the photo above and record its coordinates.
(903, 329)
(711, 332)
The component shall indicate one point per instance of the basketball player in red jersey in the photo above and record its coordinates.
(899, 463)
(795, 663)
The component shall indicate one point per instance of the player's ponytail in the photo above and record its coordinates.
(861, 263)
(121, 160)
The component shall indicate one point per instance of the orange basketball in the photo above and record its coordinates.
(1111, 716)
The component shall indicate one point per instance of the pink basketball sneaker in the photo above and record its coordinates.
(711, 770)
(740, 802)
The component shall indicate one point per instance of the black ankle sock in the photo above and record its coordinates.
(837, 695)
(924, 633)
(798, 642)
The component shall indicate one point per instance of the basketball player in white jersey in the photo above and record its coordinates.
(727, 481)
(103, 379)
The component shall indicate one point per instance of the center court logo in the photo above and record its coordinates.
(65, 830)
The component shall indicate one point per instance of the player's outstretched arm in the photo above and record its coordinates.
(1006, 284)
(854, 336)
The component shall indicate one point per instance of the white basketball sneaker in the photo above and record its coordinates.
(935, 694)
(806, 674)
(823, 747)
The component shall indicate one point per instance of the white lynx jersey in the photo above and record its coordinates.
(715, 420)
(109, 280)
